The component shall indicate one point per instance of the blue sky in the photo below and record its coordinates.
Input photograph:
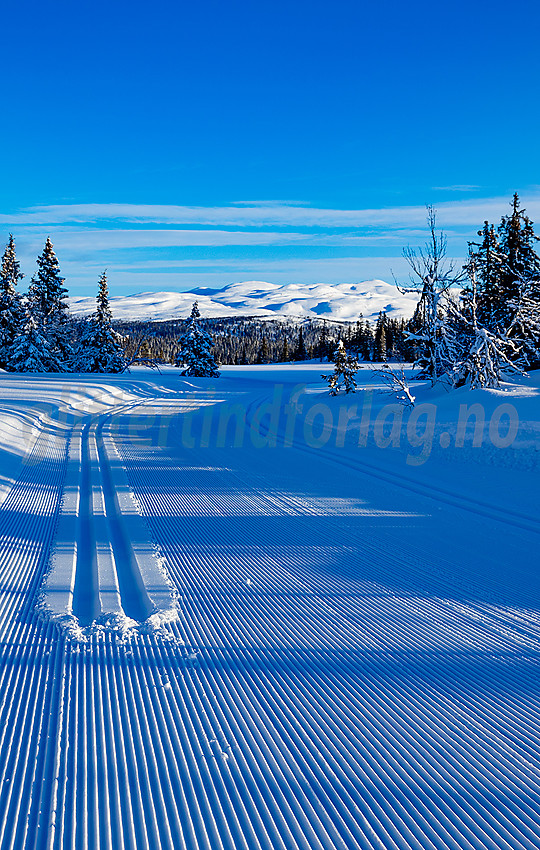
(182, 144)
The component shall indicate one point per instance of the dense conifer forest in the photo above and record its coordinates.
(250, 340)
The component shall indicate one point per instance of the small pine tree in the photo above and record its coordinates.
(380, 339)
(345, 369)
(31, 351)
(144, 352)
(322, 345)
(263, 355)
(11, 312)
(381, 353)
(100, 346)
(301, 353)
(196, 349)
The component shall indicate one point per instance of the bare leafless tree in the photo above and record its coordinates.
(432, 276)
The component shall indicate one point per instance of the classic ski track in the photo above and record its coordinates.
(104, 570)
(298, 715)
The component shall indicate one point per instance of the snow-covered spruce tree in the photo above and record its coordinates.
(47, 303)
(301, 353)
(507, 269)
(30, 351)
(517, 239)
(11, 311)
(525, 327)
(195, 352)
(477, 356)
(263, 356)
(323, 343)
(488, 259)
(432, 276)
(345, 369)
(100, 346)
(380, 339)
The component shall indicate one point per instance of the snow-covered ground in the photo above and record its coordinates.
(341, 302)
(243, 614)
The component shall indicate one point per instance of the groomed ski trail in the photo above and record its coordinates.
(105, 570)
(335, 680)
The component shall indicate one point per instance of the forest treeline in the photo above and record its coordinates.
(250, 340)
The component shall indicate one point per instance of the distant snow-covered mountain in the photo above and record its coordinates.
(341, 302)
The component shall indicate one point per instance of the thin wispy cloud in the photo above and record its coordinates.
(457, 213)
(74, 240)
(269, 203)
(116, 238)
(456, 188)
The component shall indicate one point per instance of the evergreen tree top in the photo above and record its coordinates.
(47, 292)
(48, 266)
(517, 238)
(191, 324)
(503, 263)
(488, 257)
(103, 314)
(48, 260)
(10, 272)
